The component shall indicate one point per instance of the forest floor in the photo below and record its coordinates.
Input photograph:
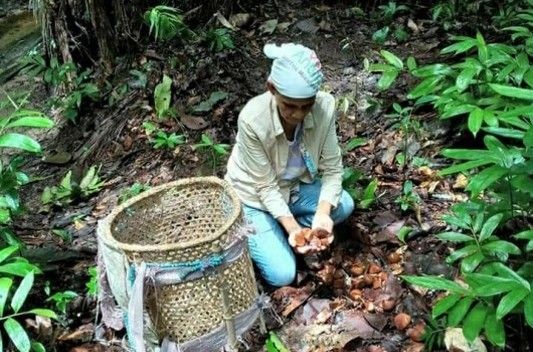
(345, 301)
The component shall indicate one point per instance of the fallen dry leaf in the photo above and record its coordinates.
(455, 341)
(288, 298)
(460, 182)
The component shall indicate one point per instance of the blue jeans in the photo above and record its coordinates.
(269, 248)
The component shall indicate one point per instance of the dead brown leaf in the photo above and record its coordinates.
(288, 298)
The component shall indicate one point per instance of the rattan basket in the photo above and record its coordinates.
(184, 221)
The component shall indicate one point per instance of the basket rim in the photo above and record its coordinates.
(111, 240)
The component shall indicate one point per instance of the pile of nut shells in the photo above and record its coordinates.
(311, 240)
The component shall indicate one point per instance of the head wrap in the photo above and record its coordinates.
(296, 71)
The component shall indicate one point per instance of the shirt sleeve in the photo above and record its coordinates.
(258, 167)
(330, 161)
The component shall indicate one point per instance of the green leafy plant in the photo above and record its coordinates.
(274, 344)
(69, 190)
(390, 10)
(167, 141)
(11, 269)
(215, 151)
(166, 23)
(410, 128)
(53, 73)
(364, 196)
(81, 90)
(389, 70)
(162, 95)
(207, 105)
(92, 284)
(62, 299)
(132, 191)
(219, 39)
(409, 199)
(381, 35)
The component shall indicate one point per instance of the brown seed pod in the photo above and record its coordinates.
(416, 332)
(368, 279)
(320, 233)
(376, 283)
(299, 239)
(374, 268)
(308, 233)
(401, 321)
(357, 269)
(359, 283)
(394, 258)
(355, 294)
(338, 283)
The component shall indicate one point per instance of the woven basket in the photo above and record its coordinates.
(184, 221)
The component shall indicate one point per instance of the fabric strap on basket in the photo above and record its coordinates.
(169, 274)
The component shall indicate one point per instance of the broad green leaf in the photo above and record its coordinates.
(505, 271)
(505, 132)
(496, 287)
(509, 301)
(7, 252)
(459, 310)
(392, 59)
(17, 334)
(435, 283)
(495, 330)
(528, 138)
(424, 88)
(411, 64)
(355, 142)
(88, 178)
(44, 313)
(274, 344)
(463, 166)
(162, 94)
(528, 77)
(466, 154)
(386, 79)
(528, 309)
(457, 110)
(454, 237)
(5, 285)
(524, 235)
(490, 225)
(19, 141)
(461, 253)
(18, 269)
(513, 92)
(485, 178)
(474, 321)
(460, 47)
(475, 119)
(37, 347)
(471, 262)
(19, 297)
(464, 79)
(379, 67)
(432, 70)
(35, 122)
(483, 53)
(444, 304)
(502, 246)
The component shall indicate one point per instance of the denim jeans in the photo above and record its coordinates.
(269, 248)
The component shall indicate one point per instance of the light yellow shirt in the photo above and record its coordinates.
(259, 156)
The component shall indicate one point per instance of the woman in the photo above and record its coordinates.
(286, 138)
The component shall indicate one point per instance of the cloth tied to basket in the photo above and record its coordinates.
(157, 274)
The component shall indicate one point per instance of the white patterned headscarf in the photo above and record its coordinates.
(296, 71)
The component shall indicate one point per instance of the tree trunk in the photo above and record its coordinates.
(91, 33)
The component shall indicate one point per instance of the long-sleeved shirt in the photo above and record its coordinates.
(259, 156)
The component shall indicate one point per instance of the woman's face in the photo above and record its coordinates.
(292, 111)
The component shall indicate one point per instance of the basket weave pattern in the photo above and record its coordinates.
(181, 222)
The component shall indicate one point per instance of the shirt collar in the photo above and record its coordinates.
(278, 128)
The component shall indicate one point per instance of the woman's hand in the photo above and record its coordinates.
(322, 221)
